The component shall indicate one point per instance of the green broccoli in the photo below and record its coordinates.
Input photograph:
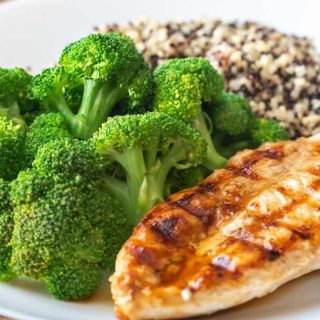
(62, 218)
(107, 71)
(230, 114)
(12, 144)
(6, 227)
(182, 87)
(264, 130)
(184, 179)
(140, 151)
(16, 102)
(261, 131)
(45, 128)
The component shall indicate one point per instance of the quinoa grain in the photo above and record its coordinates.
(278, 73)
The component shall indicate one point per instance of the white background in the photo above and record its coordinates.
(33, 32)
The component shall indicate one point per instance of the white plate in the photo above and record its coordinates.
(33, 32)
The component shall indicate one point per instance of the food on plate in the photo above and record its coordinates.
(264, 130)
(182, 86)
(12, 147)
(6, 227)
(191, 90)
(231, 114)
(16, 102)
(106, 71)
(278, 73)
(62, 220)
(141, 151)
(184, 179)
(240, 234)
(89, 146)
(45, 128)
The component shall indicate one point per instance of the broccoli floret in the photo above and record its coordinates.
(117, 233)
(61, 219)
(12, 143)
(16, 102)
(230, 114)
(107, 70)
(232, 144)
(45, 128)
(182, 87)
(6, 227)
(264, 130)
(261, 131)
(184, 179)
(140, 151)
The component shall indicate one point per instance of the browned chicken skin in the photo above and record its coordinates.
(240, 234)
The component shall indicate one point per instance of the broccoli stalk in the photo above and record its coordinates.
(213, 159)
(106, 70)
(183, 86)
(140, 151)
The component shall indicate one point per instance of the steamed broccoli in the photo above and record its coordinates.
(62, 218)
(45, 128)
(183, 86)
(140, 151)
(6, 227)
(106, 70)
(15, 100)
(12, 155)
(184, 179)
(260, 131)
(264, 130)
(230, 114)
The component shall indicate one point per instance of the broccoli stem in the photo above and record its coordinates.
(60, 103)
(12, 111)
(169, 161)
(99, 98)
(149, 195)
(153, 188)
(213, 160)
(146, 178)
(132, 162)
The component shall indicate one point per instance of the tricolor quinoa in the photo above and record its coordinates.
(278, 73)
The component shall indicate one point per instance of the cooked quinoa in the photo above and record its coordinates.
(276, 72)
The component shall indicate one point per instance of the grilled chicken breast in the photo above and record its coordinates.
(240, 234)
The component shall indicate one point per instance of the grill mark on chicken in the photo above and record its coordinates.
(221, 271)
(242, 223)
(207, 187)
(206, 216)
(275, 153)
(315, 170)
(166, 228)
(304, 232)
(143, 255)
(245, 168)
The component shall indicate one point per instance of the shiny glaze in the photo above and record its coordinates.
(250, 214)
